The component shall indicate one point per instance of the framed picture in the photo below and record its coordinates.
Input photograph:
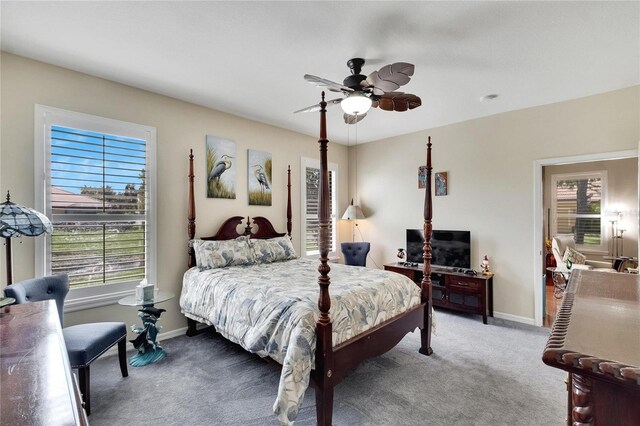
(221, 169)
(259, 177)
(422, 177)
(441, 183)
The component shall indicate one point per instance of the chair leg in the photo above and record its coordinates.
(83, 373)
(122, 357)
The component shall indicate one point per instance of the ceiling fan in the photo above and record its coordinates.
(363, 92)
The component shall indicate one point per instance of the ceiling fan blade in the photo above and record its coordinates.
(398, 101)
(316, 107)
(379, 86)
(353, 118)
(323, 82)
(403, 68)
(390, 77)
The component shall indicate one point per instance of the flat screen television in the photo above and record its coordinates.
(448, 248)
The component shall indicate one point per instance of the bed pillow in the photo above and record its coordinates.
(273, 250)
(218, 254)
(574, 256)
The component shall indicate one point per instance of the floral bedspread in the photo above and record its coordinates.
(271, 309)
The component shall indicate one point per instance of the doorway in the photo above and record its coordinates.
(540, 229)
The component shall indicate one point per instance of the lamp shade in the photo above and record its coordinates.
(353, 212)
(356, 103)
(17, 220)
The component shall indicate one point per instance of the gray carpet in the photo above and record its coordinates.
(478, 375)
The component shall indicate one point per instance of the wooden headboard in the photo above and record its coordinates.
(229, 228)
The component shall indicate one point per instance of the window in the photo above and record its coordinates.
(98, 191)
(310, 176)
(577, 205)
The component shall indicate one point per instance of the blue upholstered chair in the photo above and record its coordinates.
(355, 254)
(85, 342)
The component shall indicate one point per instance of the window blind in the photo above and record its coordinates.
(97, 199)
(312, 208)
(578, 207)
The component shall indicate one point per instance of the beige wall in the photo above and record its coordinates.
(180, 126)
(491, 167)
(622, 191)
(489, 160)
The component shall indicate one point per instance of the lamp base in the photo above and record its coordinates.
(9, 261)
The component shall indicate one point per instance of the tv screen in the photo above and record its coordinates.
(448, 248)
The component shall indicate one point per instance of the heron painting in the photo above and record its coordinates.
(259, 178)
(221, 168)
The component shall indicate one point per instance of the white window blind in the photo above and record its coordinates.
(97, 188)
(577, 203)
(97, 193)
(311, 206)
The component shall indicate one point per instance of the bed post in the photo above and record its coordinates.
(324, 346)
(191, 226)
(425, 332)
(289, 201)
(191, 230)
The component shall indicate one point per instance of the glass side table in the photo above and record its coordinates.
(149, 350)
(560, 279)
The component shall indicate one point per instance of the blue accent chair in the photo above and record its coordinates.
(85, 342)
(355, 254)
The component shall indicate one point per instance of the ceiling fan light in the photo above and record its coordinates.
(356, 103)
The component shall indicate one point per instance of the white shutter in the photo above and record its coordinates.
(578, 203)
(97, 193)
(95, 180)
(311, 206)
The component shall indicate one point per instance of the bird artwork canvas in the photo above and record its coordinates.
(259, 177)
(221, 168)
(422, 177)
(441, 183)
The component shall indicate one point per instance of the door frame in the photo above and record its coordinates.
(538, 214)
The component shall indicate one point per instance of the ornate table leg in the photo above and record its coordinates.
(149, 349)
(582, 412)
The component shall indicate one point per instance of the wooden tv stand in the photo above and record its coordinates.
(454, 290)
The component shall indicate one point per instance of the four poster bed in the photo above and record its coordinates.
(253, 289)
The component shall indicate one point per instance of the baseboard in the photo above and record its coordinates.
(515, 318)
(161, 336)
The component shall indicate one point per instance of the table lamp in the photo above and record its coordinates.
(18, 221)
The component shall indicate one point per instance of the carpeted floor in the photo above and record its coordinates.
(478, 375)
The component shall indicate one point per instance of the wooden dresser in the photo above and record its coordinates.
(596, 339)
(38, 387)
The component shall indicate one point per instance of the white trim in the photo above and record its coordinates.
(78, 300)
(538, 280)
(306, 162)
(44, 118)
(515, 318)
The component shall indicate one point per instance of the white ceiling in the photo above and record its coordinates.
(248, 58)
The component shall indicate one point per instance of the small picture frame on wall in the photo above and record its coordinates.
(441, 179)
(422, 177)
